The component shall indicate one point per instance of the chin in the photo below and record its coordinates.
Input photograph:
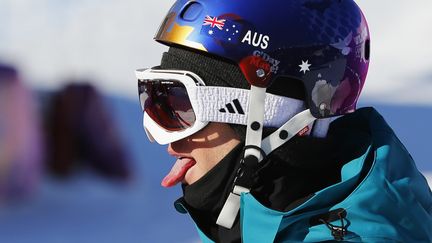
(191, 176)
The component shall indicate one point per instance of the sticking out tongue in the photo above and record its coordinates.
(178, 172)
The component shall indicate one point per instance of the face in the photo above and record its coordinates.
(200, 152)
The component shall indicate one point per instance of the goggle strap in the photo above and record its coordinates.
(255, 121)
(228, 105)
(231, 208)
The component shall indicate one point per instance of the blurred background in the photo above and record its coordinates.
(75, 165)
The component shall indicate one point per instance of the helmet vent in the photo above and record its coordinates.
(191, 11)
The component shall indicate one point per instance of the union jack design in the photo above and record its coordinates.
(214, 22)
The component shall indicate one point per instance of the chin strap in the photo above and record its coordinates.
(256, 149)
(287, 131)
(252, 156)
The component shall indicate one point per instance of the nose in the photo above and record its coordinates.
(178, 147)
(174, 148)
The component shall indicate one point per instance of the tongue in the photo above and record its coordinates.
(178, 172)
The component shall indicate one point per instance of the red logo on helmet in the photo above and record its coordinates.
(257, 71)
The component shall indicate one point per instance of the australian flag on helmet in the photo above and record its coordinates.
(221, 29)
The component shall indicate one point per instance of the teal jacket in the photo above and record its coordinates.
(382, 197)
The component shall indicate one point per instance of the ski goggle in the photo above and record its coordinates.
(177, 104)
(165, 97)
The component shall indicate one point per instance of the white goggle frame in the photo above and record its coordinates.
(190, 81)
(209, 104)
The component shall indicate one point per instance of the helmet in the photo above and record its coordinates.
(322, 43)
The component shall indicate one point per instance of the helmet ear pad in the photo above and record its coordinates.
(288, 87)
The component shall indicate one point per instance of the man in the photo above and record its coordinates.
(257, 101)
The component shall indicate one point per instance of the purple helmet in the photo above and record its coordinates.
(322, 43)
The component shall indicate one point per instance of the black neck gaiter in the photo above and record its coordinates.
(205, 198)
(286, 178)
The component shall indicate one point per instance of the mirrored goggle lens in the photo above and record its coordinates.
(167, 103)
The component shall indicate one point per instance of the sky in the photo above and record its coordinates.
(105, 40)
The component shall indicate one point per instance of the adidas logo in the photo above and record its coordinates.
(231, 109)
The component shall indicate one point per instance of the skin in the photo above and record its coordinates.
(207, 147)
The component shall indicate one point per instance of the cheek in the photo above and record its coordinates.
(195, 173)
(205, 161)
(208, 158)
